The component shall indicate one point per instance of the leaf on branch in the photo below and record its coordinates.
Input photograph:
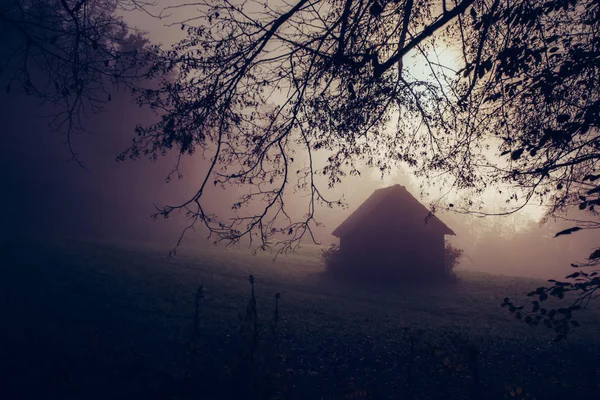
(594, 190)
(568, 231)
(516, 154)
(595, 254)
(376, 9)
(591, 178)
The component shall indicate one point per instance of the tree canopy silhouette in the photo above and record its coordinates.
(259, 85)
(70, 54)
(262, 87)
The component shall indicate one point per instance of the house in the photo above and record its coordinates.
(392, 234)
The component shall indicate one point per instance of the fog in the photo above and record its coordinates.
(46, 194)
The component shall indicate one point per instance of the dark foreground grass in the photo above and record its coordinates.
(90, 320)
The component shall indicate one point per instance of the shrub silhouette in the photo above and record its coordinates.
(332, 258)
(453, 256)
(335, 262)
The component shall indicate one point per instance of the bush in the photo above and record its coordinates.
(453, 257)
(332, 258)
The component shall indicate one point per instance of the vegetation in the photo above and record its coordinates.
(453, 258)
(260, 87)
(334, 263)
(331, 258)
(71, 54)
(116, 321)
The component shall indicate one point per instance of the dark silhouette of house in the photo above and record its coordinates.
(392, 234)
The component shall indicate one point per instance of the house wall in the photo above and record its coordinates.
(388, 251)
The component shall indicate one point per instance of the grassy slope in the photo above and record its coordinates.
(99, 320)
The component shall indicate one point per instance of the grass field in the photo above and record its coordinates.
(100, 320)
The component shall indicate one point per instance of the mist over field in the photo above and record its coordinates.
(49, 195)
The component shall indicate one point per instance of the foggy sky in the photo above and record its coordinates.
(45, 194)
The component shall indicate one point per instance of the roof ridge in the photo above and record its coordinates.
(365, 209)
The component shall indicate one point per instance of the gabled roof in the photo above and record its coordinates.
(390, 199)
